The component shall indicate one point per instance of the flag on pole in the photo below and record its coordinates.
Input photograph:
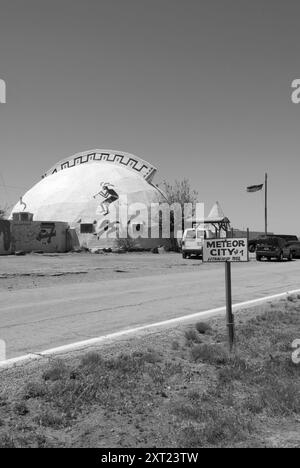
(255, 188)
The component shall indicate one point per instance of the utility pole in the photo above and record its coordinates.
(266, 204)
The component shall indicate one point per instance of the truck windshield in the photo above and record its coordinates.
(270, 241)
(200, 234)
(190, 235)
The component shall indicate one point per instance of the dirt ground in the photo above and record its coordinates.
(175, 387)
(36, 270)
(40, 270)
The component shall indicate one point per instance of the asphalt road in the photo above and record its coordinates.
(38, 318)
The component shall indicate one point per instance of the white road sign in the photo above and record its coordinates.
(225, 250)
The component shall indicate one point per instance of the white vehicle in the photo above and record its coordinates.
(192, 242)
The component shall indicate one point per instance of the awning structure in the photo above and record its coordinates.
(216, 219)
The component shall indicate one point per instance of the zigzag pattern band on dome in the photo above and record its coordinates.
(131, 162)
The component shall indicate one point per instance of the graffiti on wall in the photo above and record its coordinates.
(32, 236)
(6, 233)
(47, 231)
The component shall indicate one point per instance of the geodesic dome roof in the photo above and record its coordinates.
(72, 189)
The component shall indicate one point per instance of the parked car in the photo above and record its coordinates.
(192, 243)
(253, 242)
(273, 247)
(252, 245)
(287, 237)
(295, 248)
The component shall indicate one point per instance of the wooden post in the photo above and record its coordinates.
(229, 314)
(248, 238)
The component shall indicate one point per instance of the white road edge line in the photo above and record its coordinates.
(94, 341)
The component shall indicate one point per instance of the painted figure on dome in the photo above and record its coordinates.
(109, 195)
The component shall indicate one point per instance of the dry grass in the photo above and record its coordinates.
(184, 392)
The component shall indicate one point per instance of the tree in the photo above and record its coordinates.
(3, 212)
(180, 192)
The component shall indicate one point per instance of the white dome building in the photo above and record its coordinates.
(99, 193)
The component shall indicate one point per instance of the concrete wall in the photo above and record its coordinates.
(30, 236)
(33, 236)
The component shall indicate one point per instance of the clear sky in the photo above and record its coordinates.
(199, 88)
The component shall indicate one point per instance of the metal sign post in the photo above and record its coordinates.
(227, 250)
(266, 204)
(229, 314)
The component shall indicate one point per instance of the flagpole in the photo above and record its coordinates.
(266, 204)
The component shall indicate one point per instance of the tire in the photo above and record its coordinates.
(290, 257)
(184, 255)
(280, 257)
(258, 258)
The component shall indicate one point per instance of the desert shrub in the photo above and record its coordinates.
(194, 395)
(6, 441)
(202, 327)
(20, 408)
(210, 354)
(175, 345)
(214, 425)
(34, 390)
(226, 425)
(191, 336)
(132, 363)
(49, 418)
(56, 371)
(281, 398)
(127, 244)
(291, 298)
(253, 404)
(91, 359)
(188, 410)
(149, 356)
(3, 399)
